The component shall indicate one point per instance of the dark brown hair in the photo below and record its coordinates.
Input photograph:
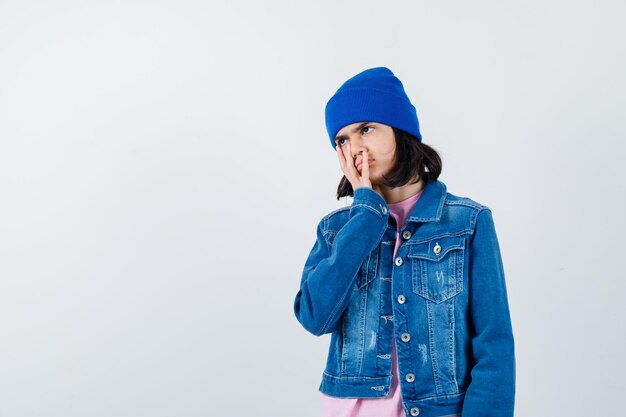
(417, 160)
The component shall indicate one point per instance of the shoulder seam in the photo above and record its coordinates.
(465, 202)
(475, 215)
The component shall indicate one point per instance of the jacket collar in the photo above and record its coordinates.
(430, 204)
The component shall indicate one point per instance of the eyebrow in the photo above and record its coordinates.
(356, 129)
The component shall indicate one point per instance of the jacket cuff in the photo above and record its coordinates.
(367, 198)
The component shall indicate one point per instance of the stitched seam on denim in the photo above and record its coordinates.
(366, 277)
(460, 264)
(416, 277)
(354, 377)
(325, 230)
(442, 202)
(420, 219)
(326, 237)
(463, 232)
(451, 341)
(343, 347)
(362, 318)
(367, 207)
(433, 357)
(370, 206)
(455, 259)
(441, 397)
(431, 258)
(424, 281)
(465, 203)
(334, 310)
(474, 218)
(380, 355)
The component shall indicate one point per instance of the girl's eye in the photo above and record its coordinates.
(339, 141)
(364, 130)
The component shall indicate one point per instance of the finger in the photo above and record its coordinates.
(339, 155)
(365, 168)
(351, 172)
(342, 161)
(350, 162)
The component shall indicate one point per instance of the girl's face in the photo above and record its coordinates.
(379, 141)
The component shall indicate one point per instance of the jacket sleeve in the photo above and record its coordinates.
(330, 271)
(491, 392)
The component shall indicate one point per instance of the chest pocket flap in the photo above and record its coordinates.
(437, 267)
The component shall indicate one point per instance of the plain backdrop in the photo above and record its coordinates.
(164, 164)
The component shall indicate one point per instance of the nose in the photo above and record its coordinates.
(356, 146)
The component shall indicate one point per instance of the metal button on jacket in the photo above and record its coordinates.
(398, 261)
(405, 337)
(406, 234)
(437, 249)
(415, 411)
(410, 377)
(401, 299)
(384, 210)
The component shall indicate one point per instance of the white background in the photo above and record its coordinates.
(164, 164)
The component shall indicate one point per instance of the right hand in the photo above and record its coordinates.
(349, 168)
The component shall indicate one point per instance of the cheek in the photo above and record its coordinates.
(385, 161)
(387, 153)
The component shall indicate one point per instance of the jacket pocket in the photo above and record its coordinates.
(437, 267)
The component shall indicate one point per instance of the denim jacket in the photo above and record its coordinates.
(443, 298)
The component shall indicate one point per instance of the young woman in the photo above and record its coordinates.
(408, 280)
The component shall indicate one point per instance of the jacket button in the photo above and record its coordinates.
(401, 299)
(398, 261)
(405, 337)
(415, 411)
(437, 249)
(384, 209)
(410, 377)
(406, 234)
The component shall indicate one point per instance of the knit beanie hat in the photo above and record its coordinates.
(374, 95)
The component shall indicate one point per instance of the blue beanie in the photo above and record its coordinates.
(374, 95)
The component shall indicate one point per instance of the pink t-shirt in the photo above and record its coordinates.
(391, 405)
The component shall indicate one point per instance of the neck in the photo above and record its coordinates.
(397, 194)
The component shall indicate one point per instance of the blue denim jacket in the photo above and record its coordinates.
(443, 298)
